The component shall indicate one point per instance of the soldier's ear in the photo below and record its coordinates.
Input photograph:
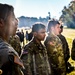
(1, 22)
(52, 28)
(34, 33)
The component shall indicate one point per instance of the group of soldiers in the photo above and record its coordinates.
(36, 58)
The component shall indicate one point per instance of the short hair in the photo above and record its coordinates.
(61, 26)
(37, 26)
(5, 10)
(52, 23)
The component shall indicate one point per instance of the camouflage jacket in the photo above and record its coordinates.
(15, 43)
(73, 50)
(55, 53)
(65, 47)
(35, 59)
(10, 62)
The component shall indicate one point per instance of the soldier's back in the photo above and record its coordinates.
(15, 43)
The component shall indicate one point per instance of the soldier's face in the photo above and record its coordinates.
(40, 35)
(11, 24)
(56, 29)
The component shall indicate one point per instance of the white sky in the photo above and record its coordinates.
(37, 8)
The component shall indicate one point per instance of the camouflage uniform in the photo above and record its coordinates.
(35, 59)
(10, 63)
(55, 53)
(15, 43)
(65, 49)
(73, 50)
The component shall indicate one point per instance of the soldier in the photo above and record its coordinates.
(22, 38)
(73, 53)
(30, 35)
(54, 49)
(35, 55)
(10, 63)
(73, 50)
(14, 41)
(65, 47)
(26, 36)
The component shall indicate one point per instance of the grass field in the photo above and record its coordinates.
(70, 35)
